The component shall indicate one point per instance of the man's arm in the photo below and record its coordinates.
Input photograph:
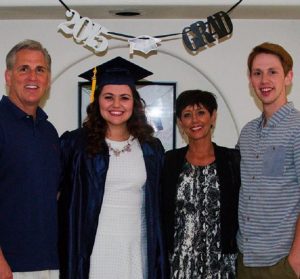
(294, 256)
(5, 271)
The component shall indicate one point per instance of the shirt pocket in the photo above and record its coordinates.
(273, 162)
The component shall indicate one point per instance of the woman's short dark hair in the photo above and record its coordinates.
(195, 97)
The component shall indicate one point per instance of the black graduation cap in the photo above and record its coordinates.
(115, 71)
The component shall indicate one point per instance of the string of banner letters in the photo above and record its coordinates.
(95, 36)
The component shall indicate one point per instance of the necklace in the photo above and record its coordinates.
(117, 152)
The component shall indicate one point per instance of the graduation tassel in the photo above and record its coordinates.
(93, 88)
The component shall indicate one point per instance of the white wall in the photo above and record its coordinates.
(221, 68)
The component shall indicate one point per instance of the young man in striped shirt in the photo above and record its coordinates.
(269, 206)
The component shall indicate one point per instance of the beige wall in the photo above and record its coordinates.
(221, 68)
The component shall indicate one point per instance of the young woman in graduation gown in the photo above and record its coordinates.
(109, 204)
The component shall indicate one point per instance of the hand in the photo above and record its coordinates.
(294, 261)
(5, 271)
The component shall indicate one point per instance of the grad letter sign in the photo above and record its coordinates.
(202, 33)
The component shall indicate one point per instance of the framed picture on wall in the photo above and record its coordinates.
(159, 98)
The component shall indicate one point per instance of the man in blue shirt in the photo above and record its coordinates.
(29, 168)
(269, 205)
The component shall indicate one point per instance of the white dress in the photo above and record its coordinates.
(120, 247)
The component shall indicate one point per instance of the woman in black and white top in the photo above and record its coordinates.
(200, 195)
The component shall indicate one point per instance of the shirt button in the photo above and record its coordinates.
(257, 156)
(253, 177)
(246, 239)
(249, 198)
(248, 218)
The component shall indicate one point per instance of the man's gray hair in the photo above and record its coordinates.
(27, 44)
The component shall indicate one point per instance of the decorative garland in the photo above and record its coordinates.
(95, 36)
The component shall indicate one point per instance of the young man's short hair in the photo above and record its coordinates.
(275, 49)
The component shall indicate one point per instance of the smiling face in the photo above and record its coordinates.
(28, 80)
(196, 122)
(269, 81)
(116, 105)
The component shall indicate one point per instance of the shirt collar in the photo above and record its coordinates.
(277, 117)
(40, 114)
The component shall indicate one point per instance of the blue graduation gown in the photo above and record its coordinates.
(82, 190)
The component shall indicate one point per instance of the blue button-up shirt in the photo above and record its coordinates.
(269, 202)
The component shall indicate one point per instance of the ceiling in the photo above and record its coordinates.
(289, 9)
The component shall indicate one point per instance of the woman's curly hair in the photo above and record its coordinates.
(96, 126)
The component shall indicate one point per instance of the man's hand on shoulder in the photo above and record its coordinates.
(5, 271)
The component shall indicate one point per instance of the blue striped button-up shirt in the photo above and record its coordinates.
(269, 202)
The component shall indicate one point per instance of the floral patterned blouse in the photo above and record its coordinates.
(197, 239)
